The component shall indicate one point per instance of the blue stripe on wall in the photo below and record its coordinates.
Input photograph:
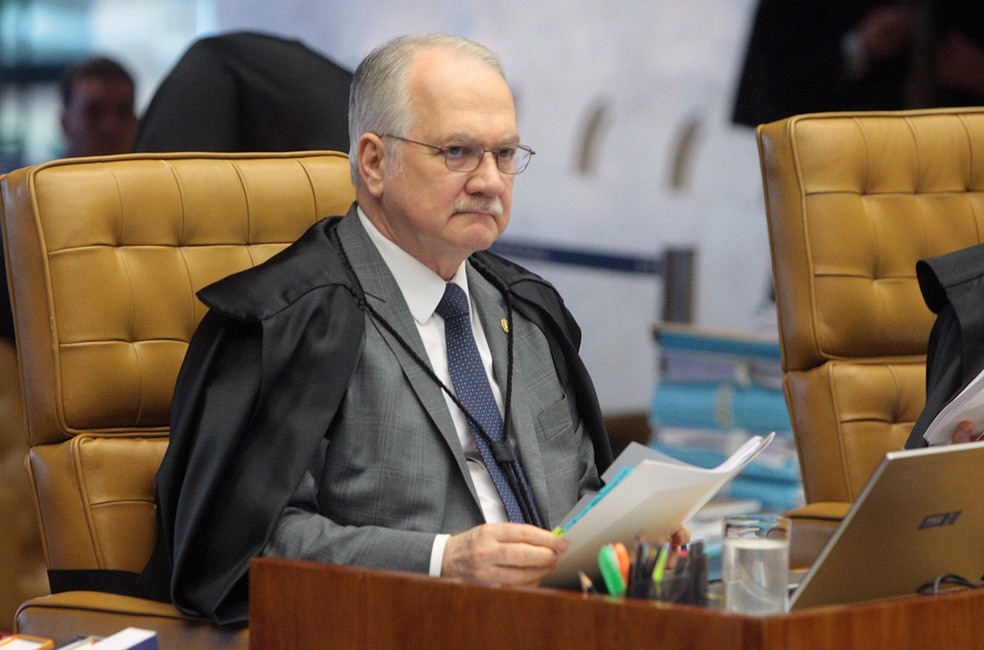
(579, 257)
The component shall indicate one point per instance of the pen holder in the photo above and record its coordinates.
(686, 584)
(668, 589)
(649, 576)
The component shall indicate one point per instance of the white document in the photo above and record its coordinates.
(131, 638)
(648, 494)
(967, 405)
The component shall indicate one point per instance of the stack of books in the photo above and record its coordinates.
(716, 389)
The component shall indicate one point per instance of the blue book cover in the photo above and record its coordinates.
(777, 495)
(739, 344)
(722, 406)
(689, 354)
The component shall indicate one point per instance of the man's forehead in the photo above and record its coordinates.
(444, 68)
(469, 138)
(462, 95)
(102, 86)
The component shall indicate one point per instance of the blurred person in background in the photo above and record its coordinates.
(840, 55)
(98, 116)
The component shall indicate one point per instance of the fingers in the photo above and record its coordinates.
(680, 537)
(964, 432)
(515, 554)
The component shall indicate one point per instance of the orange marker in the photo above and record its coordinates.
(624, 563)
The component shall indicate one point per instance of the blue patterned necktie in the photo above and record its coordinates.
(472, 388)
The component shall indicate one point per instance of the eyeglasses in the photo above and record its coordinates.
(466, 157)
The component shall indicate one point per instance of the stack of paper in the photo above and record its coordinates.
(967, 405)
(647, 494)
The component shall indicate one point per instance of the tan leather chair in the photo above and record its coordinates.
(103, 258)
(853, 201)
(21, 562)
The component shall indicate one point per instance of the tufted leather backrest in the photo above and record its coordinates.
(104, 256)
(853, 200)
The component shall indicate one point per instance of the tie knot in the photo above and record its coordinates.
(454, 304)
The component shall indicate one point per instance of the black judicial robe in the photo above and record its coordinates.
(248, 91)
(290, 332)
(953, 287)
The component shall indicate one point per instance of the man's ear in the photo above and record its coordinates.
(372, 163)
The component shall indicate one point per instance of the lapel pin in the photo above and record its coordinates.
(505, 325)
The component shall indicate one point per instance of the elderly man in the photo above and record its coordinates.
(385, 393)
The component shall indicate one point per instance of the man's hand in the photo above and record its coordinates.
(680, 537)
(677, 540)
(965, 433)
(510, 554)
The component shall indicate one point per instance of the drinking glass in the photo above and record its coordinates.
(755, 564)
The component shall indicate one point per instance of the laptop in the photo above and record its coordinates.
(921, 515)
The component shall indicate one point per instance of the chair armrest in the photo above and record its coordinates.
(68, 615)
(813, 524)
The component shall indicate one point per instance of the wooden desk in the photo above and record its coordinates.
(306, 605)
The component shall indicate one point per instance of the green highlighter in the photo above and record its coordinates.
(660, 567)
(610, 571)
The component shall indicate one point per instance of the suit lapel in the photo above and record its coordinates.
(384, 295)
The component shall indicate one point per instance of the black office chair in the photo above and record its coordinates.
(248, 92)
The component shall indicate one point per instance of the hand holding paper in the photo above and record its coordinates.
(967, 405)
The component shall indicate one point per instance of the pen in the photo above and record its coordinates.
(679, 588)
(645, 573)
(698, 578)
(649, 562)
(660, 569)
(587, 587)
(610, 571)
(638, 586)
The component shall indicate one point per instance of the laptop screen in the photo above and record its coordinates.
(921, 515)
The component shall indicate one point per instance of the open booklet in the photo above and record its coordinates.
(967, 405)
(646, 493)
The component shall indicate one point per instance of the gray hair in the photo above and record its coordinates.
(379, 100)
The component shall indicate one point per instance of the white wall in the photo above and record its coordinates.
(657, 67)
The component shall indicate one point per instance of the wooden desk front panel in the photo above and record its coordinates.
(307, 605)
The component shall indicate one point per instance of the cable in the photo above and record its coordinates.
(934, 587)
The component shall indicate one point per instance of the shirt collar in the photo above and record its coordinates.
(422, 289)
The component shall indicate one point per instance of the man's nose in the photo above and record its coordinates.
(491, 179)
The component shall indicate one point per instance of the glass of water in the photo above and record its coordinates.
(755, 564)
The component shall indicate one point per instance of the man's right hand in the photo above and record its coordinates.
(507, 553)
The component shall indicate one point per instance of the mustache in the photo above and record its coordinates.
(493, 205)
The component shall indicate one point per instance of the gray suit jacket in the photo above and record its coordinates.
(393, 472)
